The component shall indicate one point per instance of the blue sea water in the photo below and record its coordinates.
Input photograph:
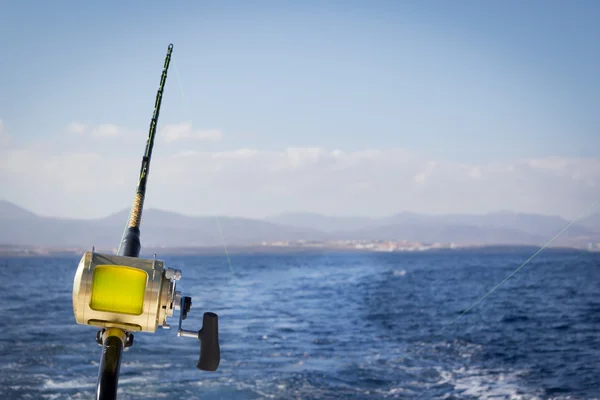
(326, 326)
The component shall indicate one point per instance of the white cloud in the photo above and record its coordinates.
(551, 163)
(101, 130)
(106, 130)
(184, 132)
(252, 182)
(422, 176)
(371, 182)
(5, 138)
(475, 172)
(76, 128)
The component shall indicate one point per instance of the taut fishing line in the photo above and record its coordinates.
(521, 266)
(187, 110)
(478, 301)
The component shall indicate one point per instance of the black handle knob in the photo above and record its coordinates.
(210, 352)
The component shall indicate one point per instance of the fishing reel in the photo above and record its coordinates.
(137, 295)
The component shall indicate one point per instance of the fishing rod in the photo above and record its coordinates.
(122, 293)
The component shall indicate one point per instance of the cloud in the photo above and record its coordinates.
(5, 138)
(184, 132)
(251, 182)
(76, 127)
(102, 130)
(475, 172)
(577, 169)
(422, 176)
(106, 130)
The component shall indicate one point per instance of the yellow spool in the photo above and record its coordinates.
(119, 289)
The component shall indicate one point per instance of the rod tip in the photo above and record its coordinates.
(171, 46)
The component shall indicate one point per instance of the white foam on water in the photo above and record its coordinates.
(144, 366)
(70, 384)
(256, 388)
(51, 384)
(11, 366)
(487, 384)
(398, 272)
(76, 396)
(398, 391)
(136, 379)
(571, 398)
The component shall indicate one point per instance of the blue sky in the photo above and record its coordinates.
(457, 82)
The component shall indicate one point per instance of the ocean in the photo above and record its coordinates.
(326, 326)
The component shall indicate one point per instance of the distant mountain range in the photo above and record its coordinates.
(167, 229)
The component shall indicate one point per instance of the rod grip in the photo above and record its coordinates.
(210, 352)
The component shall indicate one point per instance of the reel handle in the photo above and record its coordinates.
(210, 352)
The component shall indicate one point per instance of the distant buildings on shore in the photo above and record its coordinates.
(385, 245)
(370, 245)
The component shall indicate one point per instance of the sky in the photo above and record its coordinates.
(343, 108)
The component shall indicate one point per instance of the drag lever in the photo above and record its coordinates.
(210, 352)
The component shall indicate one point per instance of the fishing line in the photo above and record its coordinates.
(187, 110)
(430, 337)
(224, 244)
(218, 220)
(520, 267)
(261, 306)
(428, 340)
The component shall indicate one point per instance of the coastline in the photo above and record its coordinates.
(36, 251)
